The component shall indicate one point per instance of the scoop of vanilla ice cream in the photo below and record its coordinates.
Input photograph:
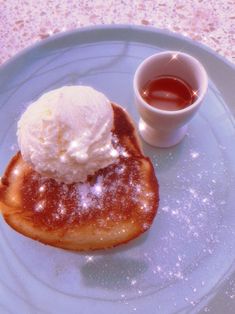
(66, 134)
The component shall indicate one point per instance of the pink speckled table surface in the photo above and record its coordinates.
(23, 22)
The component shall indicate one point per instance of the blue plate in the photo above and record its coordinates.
(185, 263)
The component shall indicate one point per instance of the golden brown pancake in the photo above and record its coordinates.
(113, 206)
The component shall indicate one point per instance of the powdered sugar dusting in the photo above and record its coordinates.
(112, 195)
(193, 200)
(83, 191)
(97, 188)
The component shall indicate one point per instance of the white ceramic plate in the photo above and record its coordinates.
(185, 263)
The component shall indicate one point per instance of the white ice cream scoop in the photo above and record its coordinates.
(66, 133)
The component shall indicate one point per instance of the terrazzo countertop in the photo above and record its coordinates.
(23, 22)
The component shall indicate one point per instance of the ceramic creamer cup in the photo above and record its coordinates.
(164, 128)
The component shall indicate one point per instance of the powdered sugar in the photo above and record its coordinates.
(117, 191)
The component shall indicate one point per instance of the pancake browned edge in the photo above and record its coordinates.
(115, 205)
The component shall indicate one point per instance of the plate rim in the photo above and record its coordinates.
(117, 27)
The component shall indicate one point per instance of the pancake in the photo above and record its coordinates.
(115, 205)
